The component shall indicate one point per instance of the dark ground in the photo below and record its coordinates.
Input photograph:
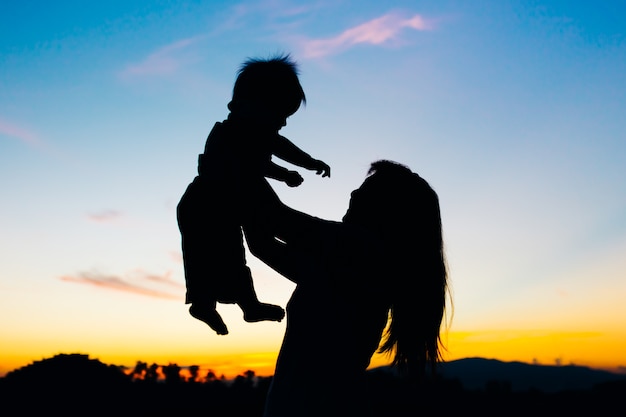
(74, 385)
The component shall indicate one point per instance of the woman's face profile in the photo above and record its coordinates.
(364, 202)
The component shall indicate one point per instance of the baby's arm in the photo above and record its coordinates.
(287, 151)
(291, 178)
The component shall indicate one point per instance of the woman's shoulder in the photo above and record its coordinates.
(359, 238)
(360, 254)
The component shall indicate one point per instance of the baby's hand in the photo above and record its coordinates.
(321, 167)
(293, 179)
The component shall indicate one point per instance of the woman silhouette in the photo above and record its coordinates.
(377, 281)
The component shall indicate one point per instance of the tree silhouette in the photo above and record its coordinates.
(194, 373)
(172, 373)
(245, 381)
(210, 376)
(152, 373)
(140, 370)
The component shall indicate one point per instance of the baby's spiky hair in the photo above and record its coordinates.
(273, 80)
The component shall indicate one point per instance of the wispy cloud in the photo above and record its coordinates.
(104, 216)
(136, 282)
(176, 257)
(166, 60)
(31, 139)
(165, 279)
(266, 13)
(20, 133)
(382, 30)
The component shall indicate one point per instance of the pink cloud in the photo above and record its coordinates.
(30, 139)
(20, 133)
(104, 216)
(176, 256)
(137, 282)
(164, 61)
(377, 31)
(165, 279)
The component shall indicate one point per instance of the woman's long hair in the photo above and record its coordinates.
(411, 227)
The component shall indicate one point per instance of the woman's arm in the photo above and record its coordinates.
(287, 239)
(272, 252)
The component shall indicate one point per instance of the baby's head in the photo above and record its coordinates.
(268, 89)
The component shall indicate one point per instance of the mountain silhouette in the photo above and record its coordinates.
(68, 384)
(476, 373)
(482, 373)
(68, 369)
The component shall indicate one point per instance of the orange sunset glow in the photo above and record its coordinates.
(512, 111)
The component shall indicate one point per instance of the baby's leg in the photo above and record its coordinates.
(196, 225)
(253, 309)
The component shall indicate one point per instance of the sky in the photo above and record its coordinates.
(511, 110)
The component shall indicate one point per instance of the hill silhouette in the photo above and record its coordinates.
(69, 384)
(73, 369)
(74, 384)
(477, 373)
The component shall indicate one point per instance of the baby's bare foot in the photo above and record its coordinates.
(262, 312)
(210, 316)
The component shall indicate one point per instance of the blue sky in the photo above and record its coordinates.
(513, 111)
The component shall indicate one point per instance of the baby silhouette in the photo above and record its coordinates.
(231, 181)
